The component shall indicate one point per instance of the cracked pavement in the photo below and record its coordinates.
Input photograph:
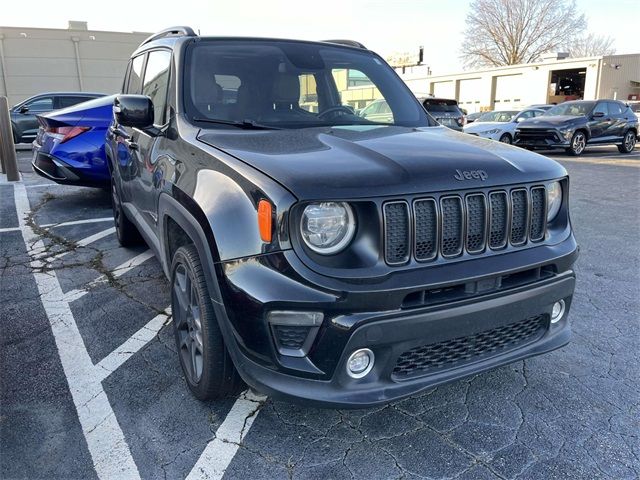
(572, 413)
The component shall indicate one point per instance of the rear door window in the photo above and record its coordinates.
(135, 75)
(614, 108)
(156, 83)
(64, 102)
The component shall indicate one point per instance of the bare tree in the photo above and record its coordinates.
(592, 45)
(508, 32)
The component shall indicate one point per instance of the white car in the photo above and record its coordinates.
(500, 125)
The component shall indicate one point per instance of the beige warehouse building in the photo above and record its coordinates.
(553, 80)
(36, 60)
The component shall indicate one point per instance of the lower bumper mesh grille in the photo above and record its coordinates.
(462, 350)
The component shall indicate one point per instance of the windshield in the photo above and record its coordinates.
(572, 109)
(499, 116)
(284, 84)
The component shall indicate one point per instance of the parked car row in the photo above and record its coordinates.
(571, 126)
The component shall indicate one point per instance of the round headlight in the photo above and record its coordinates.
(554, 200)
(327, 227)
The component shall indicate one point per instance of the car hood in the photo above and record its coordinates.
(484, 126)
(551, 121)
(358, 162)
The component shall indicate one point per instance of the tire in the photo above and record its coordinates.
(628, 143)
(505, 138)
(578, 144)
(205, 361)
(126, 231)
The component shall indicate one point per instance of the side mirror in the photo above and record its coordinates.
(598, 114)
(134, 111)
(23, 109)
(520, 119)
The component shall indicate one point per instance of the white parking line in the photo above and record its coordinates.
(219, 452)
(106, 442)
(135, 343)
(120, 270)
(84, 242)
(78, 222)
(63, 224)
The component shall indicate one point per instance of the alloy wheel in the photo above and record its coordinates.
(579, 143)
(630, 141)
(186, 314)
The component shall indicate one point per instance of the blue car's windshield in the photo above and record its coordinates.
(285, 84)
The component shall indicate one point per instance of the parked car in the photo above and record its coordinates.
(472, 117)
(23, 116)
(500, 125)
(445, 111)
(576, 124)
(321, 256)
(69, 147)
(377, 111)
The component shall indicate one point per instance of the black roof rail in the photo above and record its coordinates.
(349, 43)
(171, 31)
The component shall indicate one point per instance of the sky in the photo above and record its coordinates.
(386, 27)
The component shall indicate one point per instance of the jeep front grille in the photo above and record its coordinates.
(465, 223)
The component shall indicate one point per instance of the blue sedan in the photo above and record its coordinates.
(69, 147)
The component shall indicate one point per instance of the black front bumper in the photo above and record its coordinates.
(388, 337)
(371, 316)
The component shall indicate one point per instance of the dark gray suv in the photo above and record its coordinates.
(574, 125)
(23, 116)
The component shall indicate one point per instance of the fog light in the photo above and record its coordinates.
(360, 363)
(557, 311)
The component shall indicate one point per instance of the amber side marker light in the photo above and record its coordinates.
(264, 220)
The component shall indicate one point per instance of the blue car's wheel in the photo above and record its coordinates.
(126, 231)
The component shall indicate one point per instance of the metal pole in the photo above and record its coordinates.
(8, 157)
(3, 67)
(75, 41)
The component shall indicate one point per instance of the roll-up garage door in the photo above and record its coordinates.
(470, 94)
(508, 91)
(444, 89)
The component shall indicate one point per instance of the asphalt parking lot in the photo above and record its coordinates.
(91, 385)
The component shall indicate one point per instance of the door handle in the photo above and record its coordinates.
(130, 144)
(117, 132)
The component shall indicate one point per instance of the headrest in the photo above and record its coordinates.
(286, 88)
(206, 90)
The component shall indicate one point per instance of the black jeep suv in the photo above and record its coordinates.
(574, 125)
(321, 256)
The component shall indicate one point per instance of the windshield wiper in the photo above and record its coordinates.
(246, 124)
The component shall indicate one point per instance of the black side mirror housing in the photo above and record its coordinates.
(134, 111)
(23, 109)
(598, 114)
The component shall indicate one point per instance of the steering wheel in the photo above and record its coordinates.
(336, 109)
